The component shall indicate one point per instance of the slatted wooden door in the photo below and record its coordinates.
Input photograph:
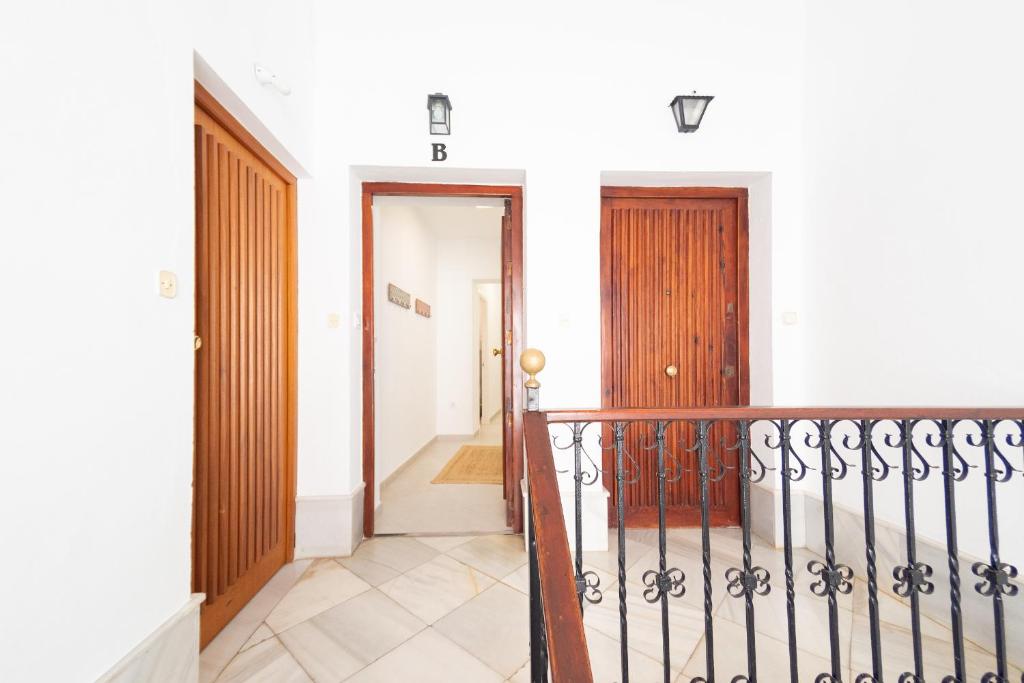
(674, 296)
(243, 512)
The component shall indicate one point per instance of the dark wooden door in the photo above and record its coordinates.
(244, 487)
(507, 367)
(673, 335)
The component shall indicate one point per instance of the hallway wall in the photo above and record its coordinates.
(97, 175)
(555, 95)
(460, 262)
(406, 254)
(914, 232)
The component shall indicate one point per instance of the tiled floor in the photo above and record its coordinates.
(411, 504)
(451, 609)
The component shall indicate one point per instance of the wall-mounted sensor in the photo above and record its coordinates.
(265, 76)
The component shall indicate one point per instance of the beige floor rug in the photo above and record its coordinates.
(472, 465)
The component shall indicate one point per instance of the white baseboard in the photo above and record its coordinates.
(766, 515)
(329, 526)
(398, 470)
(171, 653)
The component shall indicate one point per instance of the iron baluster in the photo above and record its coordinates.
(868, 474)
(912, 579)
(832, 578)
(577, 449)
(660, 438)
(619, 430)
(788, 474)
(996, 574)
(538, 631)
(952, 472)
(705, 540)
(663, 582)
(750, 580)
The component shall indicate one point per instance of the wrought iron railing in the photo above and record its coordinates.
(754, 445)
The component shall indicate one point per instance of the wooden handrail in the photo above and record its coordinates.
(566, 641)
(779, 413)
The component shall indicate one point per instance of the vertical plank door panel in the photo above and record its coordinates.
(244, 464)
(670, 297)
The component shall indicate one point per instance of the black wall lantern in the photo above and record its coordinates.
(689, 110)
(440, 108)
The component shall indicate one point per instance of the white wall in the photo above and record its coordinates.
(491, 293)
(914, 233)
(563, 95)
(461, 261)
(405, 253)
(97, 175)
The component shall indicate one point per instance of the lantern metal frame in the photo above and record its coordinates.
(678, 111)
(438, 127)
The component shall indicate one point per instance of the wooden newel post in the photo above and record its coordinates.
(532, 362)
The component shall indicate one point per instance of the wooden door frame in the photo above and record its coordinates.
(740, 195)
(205, 101)
(513, 193)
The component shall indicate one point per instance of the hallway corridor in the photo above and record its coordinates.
(414, 505)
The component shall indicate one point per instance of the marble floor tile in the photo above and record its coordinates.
(373, 573)
(444, 543)
(400, 553)
(411, 503)
(437, 587)
(324, 585)
(261, 634)
(897, 654)
(494, 555)
(268, 662)
(219, 651)
(335, 644)
(520, 578)
(606, 664)
(812, 621)
(730, 657)
(895, 611)
(689, 561)
(504, 643)
(428, 657)
(686, 625)
(608, 560)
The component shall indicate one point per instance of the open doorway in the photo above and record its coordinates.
(442, 274)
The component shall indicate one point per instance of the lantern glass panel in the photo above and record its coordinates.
(437, 112)
(693, 110)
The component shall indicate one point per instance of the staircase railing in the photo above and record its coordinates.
(755, 445)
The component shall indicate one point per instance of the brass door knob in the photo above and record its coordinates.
(495, 352)
(671, 371)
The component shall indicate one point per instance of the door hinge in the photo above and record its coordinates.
(508, 268)
(508, 337)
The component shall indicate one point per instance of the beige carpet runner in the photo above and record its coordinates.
(472, 465)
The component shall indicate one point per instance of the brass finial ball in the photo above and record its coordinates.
(532, 362)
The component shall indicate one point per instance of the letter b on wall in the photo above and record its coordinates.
(440, 153)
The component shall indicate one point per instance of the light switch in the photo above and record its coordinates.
(168, 284)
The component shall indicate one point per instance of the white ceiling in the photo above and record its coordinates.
(454, 217)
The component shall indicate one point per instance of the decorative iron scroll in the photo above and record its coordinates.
(891, 453)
